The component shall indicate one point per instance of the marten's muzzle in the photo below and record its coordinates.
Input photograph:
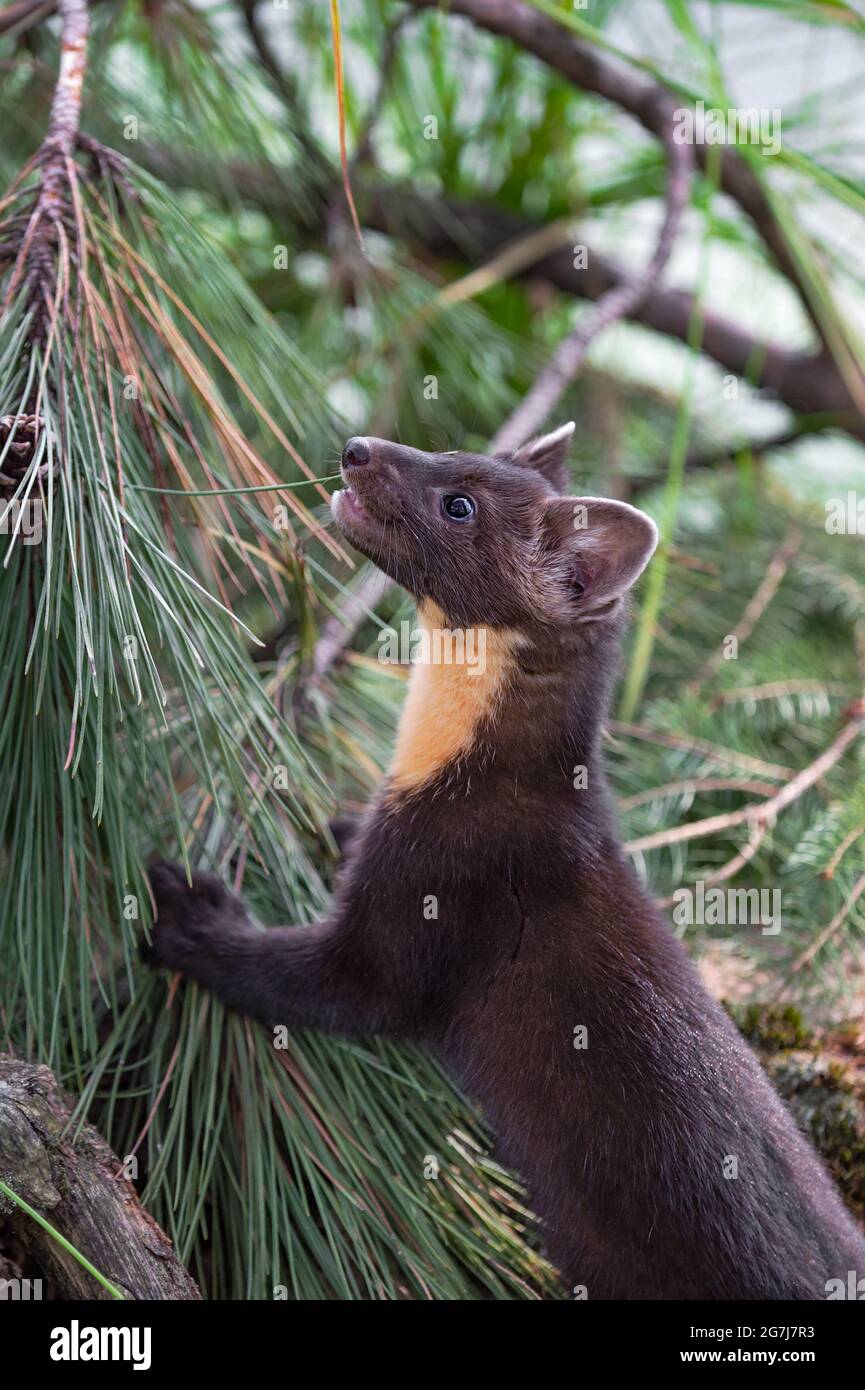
(380, 480)
(376, 491)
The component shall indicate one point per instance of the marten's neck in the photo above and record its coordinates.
(494, 695)
(452, 694)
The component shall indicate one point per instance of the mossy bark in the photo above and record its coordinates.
(821, 1076)
(77, 1189)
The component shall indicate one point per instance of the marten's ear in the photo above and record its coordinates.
(600, 547)
(547, 455)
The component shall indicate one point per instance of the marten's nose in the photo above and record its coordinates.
(356, 453)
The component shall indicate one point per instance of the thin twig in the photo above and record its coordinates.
(618, 303)
(755, 608)
(697, 785)
(339, 630)
(830, 929)
(729, 870)
(729, 757)
(756, 836)
(777, 690)
(846, 843)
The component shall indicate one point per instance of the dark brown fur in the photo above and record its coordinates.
(542, 927)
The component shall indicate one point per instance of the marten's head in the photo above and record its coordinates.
(492, 541)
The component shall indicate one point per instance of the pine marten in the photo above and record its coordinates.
(487, 909)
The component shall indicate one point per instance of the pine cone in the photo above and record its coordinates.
(19, 455)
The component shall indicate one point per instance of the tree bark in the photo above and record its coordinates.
(77, 1189)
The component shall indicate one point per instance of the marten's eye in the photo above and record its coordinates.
(458, 507)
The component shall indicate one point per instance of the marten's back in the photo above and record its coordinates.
(657, 1154)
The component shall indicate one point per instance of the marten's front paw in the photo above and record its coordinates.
(190, 918)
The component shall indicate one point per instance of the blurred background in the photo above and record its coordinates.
(283, 223)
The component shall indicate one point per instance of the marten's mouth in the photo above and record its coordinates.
(354, 519)
(345, 502)
(365, 509)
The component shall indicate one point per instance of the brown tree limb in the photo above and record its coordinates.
(65, 120)
(449, 229)
(618, 302)
(24, 13)
(808, 384)
(76, 1188)
(39, 240)
(583, 65)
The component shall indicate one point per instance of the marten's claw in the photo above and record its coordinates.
(190, 918)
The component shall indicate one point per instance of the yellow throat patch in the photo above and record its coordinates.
(447, 700)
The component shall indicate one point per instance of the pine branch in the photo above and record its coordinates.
(765, 812)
